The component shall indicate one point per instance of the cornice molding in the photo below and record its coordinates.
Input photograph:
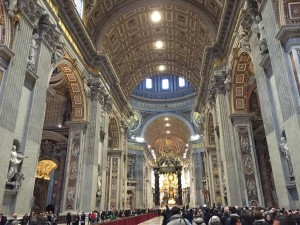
(286, 33)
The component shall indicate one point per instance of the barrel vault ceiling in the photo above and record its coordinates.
(123, 30)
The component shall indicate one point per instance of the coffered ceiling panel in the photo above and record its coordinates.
(167, 132)
(125, 32)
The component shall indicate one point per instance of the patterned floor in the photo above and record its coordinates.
(155, 221)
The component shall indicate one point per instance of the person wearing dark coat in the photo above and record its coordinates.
(189, 216)
(76, 219)
(82, 218)
(68, 218)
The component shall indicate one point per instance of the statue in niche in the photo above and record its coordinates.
(14, 177)
(32, 51)
(286, 153)
(15, 159)
(99, 180)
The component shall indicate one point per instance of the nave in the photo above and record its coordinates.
(124, 105)
(154, 221)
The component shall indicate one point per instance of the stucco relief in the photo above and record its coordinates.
(114, 183)
(216, 180)
(247, 163)
(73, 171)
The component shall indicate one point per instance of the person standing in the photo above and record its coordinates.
(2, 219)
(82, 218)
(25, 219)
(68, 218)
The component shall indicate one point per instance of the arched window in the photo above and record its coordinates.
(165, 84)
(149, 83)
(181, 82)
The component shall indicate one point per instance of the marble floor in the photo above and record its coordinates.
(154, 221)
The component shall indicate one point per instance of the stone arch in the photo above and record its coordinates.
(113, 134)
(76, 88)
(241, 85)
(53, 148)
(54, 136)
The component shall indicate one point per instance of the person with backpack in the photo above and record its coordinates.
(177, 218)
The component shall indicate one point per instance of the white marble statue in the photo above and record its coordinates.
(286, 152)
(32, 51)
(11, 6)
(259, 28)
(15, 159)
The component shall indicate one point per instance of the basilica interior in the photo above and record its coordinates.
(126, 104)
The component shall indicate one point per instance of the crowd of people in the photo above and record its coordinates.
(49, 218)
(230, 216)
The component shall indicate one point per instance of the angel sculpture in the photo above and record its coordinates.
(15, 159)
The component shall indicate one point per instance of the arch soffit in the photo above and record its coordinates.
(75, 86)
(129, 31)
(51, 135)
(167, 114)
(242, 71)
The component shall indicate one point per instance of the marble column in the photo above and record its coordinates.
(222, 179)
(156, 187)
(214, 177)
(72, 197)
(104, 148)
(92, 163)
(179, 185)
(197, 194)
(226, 140)
(246, 156)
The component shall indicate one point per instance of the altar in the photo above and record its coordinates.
(168, 189)
(167, 176)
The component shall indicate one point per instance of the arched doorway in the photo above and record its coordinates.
(130, 199)
(45, 175)
(65, 102)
